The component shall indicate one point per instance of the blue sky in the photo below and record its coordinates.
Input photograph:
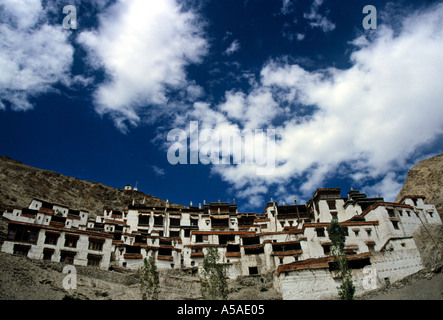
(350, 107)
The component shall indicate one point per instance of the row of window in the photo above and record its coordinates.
(65, 256)
(321, 231)
(31, 236)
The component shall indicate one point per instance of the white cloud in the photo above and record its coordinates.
(158, 171)
(233, 47)
(316, 20)
(34, 56)
(287, 7)
(371, 117)
(144, 47)
(388, 187)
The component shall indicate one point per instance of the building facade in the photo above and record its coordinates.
(290, 241)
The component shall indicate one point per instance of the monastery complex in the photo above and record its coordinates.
(289, 241)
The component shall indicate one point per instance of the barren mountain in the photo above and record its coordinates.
(426, 178)
(20, 183)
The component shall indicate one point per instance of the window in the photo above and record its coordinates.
(326, 249)
(94, 260)
(174, 234)
(71, 241)
(395, 224)
(143, 220)
(331, 205)
(95, 244)
(356, 232)
(320, 232)
(47, 253)
(391, 213)
(201, 238)
(17, 233)
(369, 232)
(371, 246)
(51, 238)
(21, 250)
(174, 222)
(158, 221)
(253, 270)
(67, 257)
(233, 248)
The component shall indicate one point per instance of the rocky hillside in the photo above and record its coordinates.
(426, 178)
(20, 183)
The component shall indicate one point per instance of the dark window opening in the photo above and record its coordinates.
(254, 250)
(245, 221)
(94, 260)
(201, 238)
(21, 250)
(67, 257)
(320, 232)
(174, 234)
(174, 222)
(247, 241)
(331, 205)
(22, 234)
(326, 249)
(224, 239)
(47, 253)
(95, 244)
(143, 220)
(133, 249)
(71, 241)
(158, 221)
(391, 213)
(140, 239)
(164, 252)
(352, 264)
(253, 270)
(286, 247)
(219, 223)
(58, 219)
(233, 248)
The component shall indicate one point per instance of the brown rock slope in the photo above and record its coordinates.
(426, 178)
(20, 183)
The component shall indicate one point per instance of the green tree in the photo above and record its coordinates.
(337, 236)
(212, 280)
(149, 280)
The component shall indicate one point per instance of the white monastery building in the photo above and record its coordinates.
(289, 241)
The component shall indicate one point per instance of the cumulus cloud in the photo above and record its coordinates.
(370, 117)
(34, 56)
(143, 47)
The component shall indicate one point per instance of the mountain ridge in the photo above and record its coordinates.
(20, 183)
(426, 178)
